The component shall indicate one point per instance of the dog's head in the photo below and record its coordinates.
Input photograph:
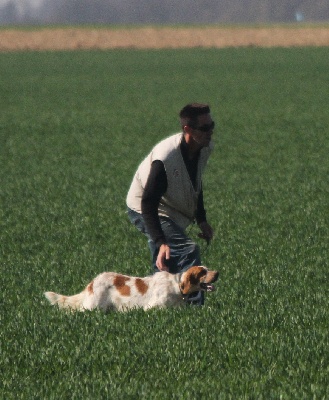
(196, 279)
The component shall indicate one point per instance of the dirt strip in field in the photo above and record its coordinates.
(160, 38)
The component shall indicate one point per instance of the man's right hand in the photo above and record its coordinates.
(164, 254)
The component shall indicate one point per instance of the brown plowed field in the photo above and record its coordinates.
(160, 38)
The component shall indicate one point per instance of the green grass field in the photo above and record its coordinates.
(73, 128)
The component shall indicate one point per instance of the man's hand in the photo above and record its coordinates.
(164, 254)
(206, 231)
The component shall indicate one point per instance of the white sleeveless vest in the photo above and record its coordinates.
(179, 203)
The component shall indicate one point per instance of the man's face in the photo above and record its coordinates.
(202, 131)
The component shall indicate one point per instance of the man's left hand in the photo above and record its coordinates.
(207, 232)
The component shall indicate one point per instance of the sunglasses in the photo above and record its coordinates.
(205, 128)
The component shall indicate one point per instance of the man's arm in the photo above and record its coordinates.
(201, 219)
(155, 188)
(200, 214)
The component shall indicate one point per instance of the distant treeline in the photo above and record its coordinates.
(164, 11)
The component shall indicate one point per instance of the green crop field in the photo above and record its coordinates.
(73, 128)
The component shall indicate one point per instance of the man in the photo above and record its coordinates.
(166, 194)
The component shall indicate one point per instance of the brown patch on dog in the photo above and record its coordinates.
(90, 287)
(195, 274)
(142, 287)
(120, 284)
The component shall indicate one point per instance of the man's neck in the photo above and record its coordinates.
(192, 147)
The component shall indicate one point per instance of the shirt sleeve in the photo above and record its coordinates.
(200, 214)
(155, 188)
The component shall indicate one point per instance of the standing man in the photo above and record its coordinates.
(166, 194)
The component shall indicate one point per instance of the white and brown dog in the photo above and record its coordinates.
(113, 291)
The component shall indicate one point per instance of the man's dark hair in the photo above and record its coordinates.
(189, 114)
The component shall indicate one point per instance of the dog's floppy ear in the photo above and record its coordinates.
(196, 273)
(185, 286)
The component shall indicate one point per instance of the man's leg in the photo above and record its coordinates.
(137, 220)
(184, 253)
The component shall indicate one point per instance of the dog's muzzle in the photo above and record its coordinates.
(207, 287)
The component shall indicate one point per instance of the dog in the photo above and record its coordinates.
(111, 291)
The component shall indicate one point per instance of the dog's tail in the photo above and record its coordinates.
(71, 302)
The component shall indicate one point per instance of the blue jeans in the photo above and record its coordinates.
(184, 253)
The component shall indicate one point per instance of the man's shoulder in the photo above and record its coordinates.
(174, 139)
(168, 146)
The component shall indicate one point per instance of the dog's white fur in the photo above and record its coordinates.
(113, 291)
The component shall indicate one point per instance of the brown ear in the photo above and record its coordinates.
(185, 285)
(196, 273)
(192, 278)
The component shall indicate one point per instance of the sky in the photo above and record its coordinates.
(22, 3)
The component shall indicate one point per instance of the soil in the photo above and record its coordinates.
(160, 38)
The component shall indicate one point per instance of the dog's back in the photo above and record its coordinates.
(111, 290)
